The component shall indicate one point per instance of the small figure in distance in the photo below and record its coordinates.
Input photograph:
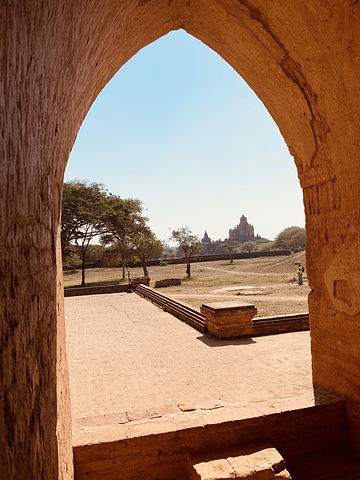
(300, 270)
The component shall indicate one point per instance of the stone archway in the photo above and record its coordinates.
(56, 57)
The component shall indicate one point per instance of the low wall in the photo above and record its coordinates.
(74, 292)
(223, 256)
(235, 319)
(110, 261)
(281, 324)
(259, 326)
(254, 327)
(158, 449)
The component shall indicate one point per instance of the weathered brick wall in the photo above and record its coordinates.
(55, 58)
(34, 393)
(309, 86)
(100, 290)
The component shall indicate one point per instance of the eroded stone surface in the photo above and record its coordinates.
(249, 462)
(215, 470)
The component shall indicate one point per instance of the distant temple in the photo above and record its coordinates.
(243, 232)
(206, 238)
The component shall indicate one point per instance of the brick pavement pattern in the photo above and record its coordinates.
(128, 357)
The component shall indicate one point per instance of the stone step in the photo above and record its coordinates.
(176, 308)
(250, 462)
(256, 326)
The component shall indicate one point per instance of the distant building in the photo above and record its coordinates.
(243, 232)
(206, 238)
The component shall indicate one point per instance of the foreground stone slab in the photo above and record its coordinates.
(214, 470)
(229, 319)
(161, 446)
(252, 462)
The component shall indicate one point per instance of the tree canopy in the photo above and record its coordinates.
(144, 244)
(89, 211)
(230, 245)
(290, 238)
(188, 243)
(83, 216)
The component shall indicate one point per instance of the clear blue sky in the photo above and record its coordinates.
(179, 129)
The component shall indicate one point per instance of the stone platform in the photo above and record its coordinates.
(147, 390)
(127, 355)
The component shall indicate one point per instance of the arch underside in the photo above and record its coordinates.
(57, 57)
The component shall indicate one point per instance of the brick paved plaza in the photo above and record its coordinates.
(129, 358)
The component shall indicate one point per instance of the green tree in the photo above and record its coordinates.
(248, 246)
(121, 249)
(83, 217)
(144, 244)
(230, 246)
(188, 243)
(264, 247)
(212, 248)
(89, 211)
(124, 219)
(129, 232)
(168, 252)
(290, 238)
(94, 253)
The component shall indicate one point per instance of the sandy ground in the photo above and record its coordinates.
(270, 283)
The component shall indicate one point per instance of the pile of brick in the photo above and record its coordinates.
(139, 281)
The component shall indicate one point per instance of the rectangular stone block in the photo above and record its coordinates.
(140, 281)
(229, 319)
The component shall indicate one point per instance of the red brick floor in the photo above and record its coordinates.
(136, 370)
(126, 356)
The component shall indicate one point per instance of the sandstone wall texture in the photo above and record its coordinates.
(55, 58)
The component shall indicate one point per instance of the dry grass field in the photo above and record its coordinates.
(268, 282)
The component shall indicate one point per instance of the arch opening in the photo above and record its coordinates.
(171, 143)
(244, 106)
(310, 86)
